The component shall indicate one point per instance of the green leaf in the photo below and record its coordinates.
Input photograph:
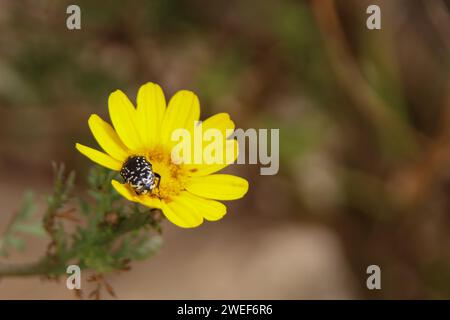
(28, 207)
(15, 242)
(33, 229)
(148, 248)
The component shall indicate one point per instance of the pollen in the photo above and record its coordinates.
(174, 177)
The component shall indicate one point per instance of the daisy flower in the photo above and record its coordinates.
(186, 193)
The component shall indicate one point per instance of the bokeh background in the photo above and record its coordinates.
(364, 119)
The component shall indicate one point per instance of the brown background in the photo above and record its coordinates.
(363, 115)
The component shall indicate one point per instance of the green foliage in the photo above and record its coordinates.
(23, 222)
(109, 233)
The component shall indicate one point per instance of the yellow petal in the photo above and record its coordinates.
(99, 157)
(107, 138)
(124, 190)
(218, 186)
(209, 209)
(198, 170)
(150, 201)
(151, 105)
(220, 121)
(182, 112)
(228, 154)
(128, 193)
(123, 117)
(182, 213)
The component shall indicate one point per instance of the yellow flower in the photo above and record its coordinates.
(186, 193)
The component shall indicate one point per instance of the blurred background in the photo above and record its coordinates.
(364, 119)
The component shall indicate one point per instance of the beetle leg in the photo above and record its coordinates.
(158, 177)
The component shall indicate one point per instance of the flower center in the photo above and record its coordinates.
(173, 176)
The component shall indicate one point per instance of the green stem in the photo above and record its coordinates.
(44, 266)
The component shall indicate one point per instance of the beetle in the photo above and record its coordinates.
(137, 171)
